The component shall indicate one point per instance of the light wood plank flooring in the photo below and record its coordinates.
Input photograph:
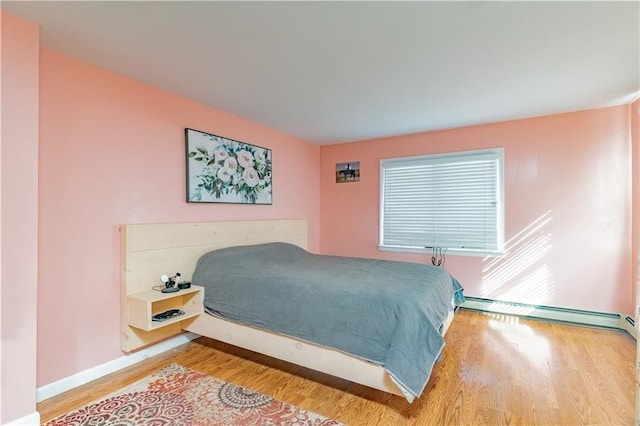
(496, 369)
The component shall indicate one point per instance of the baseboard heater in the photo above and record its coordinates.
(630, 325)
(574, 316)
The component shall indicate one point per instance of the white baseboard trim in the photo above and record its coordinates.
(598, 319)
(32, 419)
(63, 385)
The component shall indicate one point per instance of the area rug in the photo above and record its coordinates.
(177, 396)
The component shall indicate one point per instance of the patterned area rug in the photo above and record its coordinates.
(176, 396)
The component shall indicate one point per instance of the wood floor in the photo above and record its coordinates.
(496, 369)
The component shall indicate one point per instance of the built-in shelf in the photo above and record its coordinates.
(143, 306)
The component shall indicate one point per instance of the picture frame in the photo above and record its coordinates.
(223, 170)
(348, 172)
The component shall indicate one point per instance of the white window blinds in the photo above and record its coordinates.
(450, 200)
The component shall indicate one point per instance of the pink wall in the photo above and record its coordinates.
(112, 152)
(568, 187)
(19, 221)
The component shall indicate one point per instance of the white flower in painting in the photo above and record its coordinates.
(245, 158)
(251, 177)
(235, 179)
(231, 164)
(221, 154)
(224, 174)
(261, 156)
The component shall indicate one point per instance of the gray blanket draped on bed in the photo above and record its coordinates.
(386, 312)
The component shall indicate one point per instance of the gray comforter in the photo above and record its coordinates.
(390, 313)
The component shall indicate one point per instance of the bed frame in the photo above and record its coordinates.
(150, 250)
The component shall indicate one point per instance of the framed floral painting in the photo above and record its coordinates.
(221, 170)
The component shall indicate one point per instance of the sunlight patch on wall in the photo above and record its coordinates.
(534, 287)
(521, 274)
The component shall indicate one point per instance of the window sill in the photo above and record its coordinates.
(450, 251)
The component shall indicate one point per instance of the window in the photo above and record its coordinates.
(454, 201)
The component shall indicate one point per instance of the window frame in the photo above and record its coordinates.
(440, 158)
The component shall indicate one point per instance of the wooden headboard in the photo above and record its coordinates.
(150, 250)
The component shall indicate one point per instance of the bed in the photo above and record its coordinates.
(153, 249)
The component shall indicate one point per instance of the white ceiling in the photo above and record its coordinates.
(331, 72)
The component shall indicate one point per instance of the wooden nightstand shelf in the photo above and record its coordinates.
(138, 328)
(142, 306)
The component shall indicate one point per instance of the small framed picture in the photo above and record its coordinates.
(348, 172)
